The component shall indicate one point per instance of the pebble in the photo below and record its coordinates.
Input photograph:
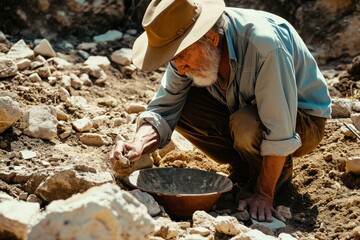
(200, 230)
(23, 196)
(34, 77)
(33, 198)
(242, 215)
(284, 211)
(27, 154)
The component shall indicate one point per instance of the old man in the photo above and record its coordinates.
(240, 84)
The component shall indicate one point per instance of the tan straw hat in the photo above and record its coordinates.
(170, 27)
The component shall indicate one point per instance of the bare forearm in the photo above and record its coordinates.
(148, 137)
(269, 175)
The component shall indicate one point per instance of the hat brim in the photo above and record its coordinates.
(150, 58)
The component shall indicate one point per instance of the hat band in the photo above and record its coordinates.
(179, 32)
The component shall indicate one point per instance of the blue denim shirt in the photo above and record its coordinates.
(270, 67)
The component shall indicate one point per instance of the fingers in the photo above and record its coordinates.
(132, 155)
(268, 215)
(115, 153)
(259, 210)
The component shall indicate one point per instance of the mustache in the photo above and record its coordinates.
(194, 72)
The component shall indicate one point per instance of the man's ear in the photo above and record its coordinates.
(213, 37)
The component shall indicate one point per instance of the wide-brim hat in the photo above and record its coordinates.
(170, 27)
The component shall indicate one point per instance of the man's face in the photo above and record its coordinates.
(200, 61)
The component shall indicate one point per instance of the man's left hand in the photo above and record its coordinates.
(260, 208)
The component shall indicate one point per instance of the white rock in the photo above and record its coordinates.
(61, 63)
(167, 229)
(353, 165)
(16, 218)
(122, 56)
(83, 125)
(253, 234)
(355, 118)
(23, 63)
(5, 197)
(92, 70)
(229, 225)
(64, 94)
(101, 61)
(194, 237)
(76, 82)
(62, 182)
(356, 106)
(135, 108)
(44, 49)
(284, 211)
(128, 70)
(78, 102)
(36, 64)
(19, 51)
(100, 120)
(346, 131)
(44, 71)
(286, 236)
(109, 36)
(86, 79)
(104, 212)
(52, 80)
(8, 68)
(108, 101)
(341, 108)
(200, 230)
(95, 139)
(39, 122)
(203, 219)
(27, 154)
(59, 113)
(86, 46)
(40, 58)
(34, 77)
(10, 112)
(65, 82)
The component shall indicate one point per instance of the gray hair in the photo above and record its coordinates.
(219, 25)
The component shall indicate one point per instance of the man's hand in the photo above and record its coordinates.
(146, 140)
(260, 204)
(125, 152)
(260, 208)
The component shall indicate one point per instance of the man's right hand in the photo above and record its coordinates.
(130, 151)
(146, 140)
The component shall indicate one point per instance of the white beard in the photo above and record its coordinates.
(211, 61)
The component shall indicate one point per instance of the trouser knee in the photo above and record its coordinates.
(246, 130)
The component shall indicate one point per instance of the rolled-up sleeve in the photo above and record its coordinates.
(164, 110)
(276, 97)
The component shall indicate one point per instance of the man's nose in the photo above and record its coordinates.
(181, 66)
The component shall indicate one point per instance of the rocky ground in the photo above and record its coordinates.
(61, 111)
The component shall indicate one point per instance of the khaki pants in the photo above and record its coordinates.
(236, 138)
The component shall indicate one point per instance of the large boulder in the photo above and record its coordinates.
(10, 112)
(104, 212)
